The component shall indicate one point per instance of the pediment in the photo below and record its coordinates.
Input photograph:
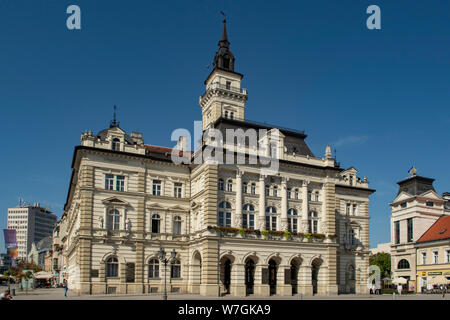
(115, 201)
(431, 194)
(403, 196)
(178, 207)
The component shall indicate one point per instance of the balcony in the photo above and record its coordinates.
(217, 85)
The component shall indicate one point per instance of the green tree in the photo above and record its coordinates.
(383, 261)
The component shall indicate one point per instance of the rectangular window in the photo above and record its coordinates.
(109, 182)
(296, 193)
(244, 187)
(177, 190)
(403, 205)
(448, 255)
(156, 187)
(275, 191)
(424, 258)
(267, 190)
(309, 195)
(410, 230)
(354, 209)
(224, 219)
(120, 183)
(228, 85)
(429, 204)
(435, 257)
(289, 193)
(397, 232)
(348, 209)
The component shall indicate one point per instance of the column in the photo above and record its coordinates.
(323, 216)
(284, 204)
(262, 204)
(283, 289)
(305, 280)
(237, 286)
(238, 216)
(305, 206)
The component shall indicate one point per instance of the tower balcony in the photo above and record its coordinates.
(217, 85)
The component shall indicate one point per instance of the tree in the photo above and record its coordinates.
(383, 261)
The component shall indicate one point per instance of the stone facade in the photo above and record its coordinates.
(235, 229)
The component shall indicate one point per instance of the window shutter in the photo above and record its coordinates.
(265, 275)
(287, 276)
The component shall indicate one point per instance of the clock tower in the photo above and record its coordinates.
(224, 96)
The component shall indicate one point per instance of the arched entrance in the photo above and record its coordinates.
(350, 277)
(294, 276)
(315, 269)
(225, 267)
(249, 276)
(273, 277)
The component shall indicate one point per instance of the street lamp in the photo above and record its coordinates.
(162, 258)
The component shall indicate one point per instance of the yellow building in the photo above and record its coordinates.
(433, 254)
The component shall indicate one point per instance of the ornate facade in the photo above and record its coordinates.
(235, 229)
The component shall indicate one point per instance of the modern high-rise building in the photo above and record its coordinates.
(32, 223)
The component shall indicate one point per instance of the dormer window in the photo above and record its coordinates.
(115, 145)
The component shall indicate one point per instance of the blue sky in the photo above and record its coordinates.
(381, 97)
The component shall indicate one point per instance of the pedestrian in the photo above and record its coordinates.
(444, 289)
(6, 295)
(65, 288)
(399, 289)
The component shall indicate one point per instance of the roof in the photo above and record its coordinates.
(415, 185)
(440, 230)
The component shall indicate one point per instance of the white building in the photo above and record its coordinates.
(32, 223)
(416, 207)
(381, 247)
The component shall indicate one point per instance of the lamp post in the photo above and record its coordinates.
(162, 258)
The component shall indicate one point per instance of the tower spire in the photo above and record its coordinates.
(224, 58)
(114, 122)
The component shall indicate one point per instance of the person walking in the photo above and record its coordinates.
(65, 288)
(399, 289)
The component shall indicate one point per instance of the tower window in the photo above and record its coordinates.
(115, 145)
(226, 114)
(231, 115)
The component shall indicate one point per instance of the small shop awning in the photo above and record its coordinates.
(400, 280)
(438, 280)
(43, 275)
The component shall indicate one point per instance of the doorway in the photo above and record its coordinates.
(273, 277)
(249, 276)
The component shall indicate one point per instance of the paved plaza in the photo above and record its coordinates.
(58, 294)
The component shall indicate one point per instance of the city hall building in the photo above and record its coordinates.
(226, 228)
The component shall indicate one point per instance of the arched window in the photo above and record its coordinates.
(230, 185)
(226, 114)
(175, 269)
(248, 216)
(112, 267)
(113, 219)
(292, 220)
(403, 264)
(220, 184)
(224, 216)
(115, 144)
(177, 225)
(271, 218)
(244, 187)
(313, 221)
(156, 223)
(153, 268)
(231, 115)
(253, 188)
